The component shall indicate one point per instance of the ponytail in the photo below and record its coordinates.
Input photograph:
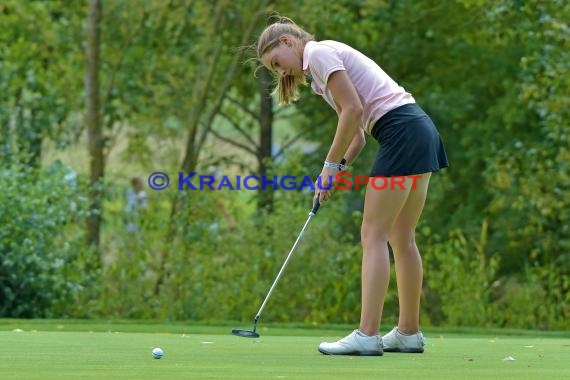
(286, 85)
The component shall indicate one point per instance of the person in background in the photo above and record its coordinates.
(136, 200)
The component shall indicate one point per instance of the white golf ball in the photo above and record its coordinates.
(157, 353)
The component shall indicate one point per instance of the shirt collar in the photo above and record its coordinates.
(306, 55)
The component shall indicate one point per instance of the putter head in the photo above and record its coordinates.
(245, 333)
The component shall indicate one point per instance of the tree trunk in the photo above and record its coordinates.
(93, 120)
(265, 197)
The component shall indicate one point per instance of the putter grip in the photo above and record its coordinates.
(316, 205)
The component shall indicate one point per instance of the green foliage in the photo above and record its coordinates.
(458, 280)
(215, 271)
(40, 76)
(529, 176)
(519, 300)
(495, 236)
(43, 260)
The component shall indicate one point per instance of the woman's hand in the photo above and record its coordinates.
(325, 184)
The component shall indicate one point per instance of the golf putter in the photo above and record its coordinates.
(253, 333)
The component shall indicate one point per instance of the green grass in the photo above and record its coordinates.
(38, 349)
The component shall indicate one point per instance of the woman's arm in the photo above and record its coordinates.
(356, 146)
(349, 111)
(349, 115)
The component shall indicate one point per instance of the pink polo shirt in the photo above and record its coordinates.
(378, 92)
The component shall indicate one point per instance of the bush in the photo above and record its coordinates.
(463, 287)
(539, 298)
(41, 249)
(197, 265)
(458, 275)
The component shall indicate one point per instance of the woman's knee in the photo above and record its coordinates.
(402, 242)
(373, 234)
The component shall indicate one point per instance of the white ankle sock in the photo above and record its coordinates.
(403, 333)
(363, 334)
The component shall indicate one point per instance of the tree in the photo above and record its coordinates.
(265, 151)
(227, 25)
(235, 112)
(93, 121)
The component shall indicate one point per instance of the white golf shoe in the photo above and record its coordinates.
(395, 341)
(355, 343)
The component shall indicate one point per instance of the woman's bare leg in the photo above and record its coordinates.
(381, 208)
(409, 270)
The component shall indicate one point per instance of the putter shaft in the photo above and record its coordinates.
(313, 212)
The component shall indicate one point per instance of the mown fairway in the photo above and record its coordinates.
(90, 350)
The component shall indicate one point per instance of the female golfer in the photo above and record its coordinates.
(367, 100)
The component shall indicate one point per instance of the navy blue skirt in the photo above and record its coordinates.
(409, 143)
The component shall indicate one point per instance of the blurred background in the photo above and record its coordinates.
(97, 95)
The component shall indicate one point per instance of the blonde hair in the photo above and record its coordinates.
(269, 39)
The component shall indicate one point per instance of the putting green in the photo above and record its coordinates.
(87, 350)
